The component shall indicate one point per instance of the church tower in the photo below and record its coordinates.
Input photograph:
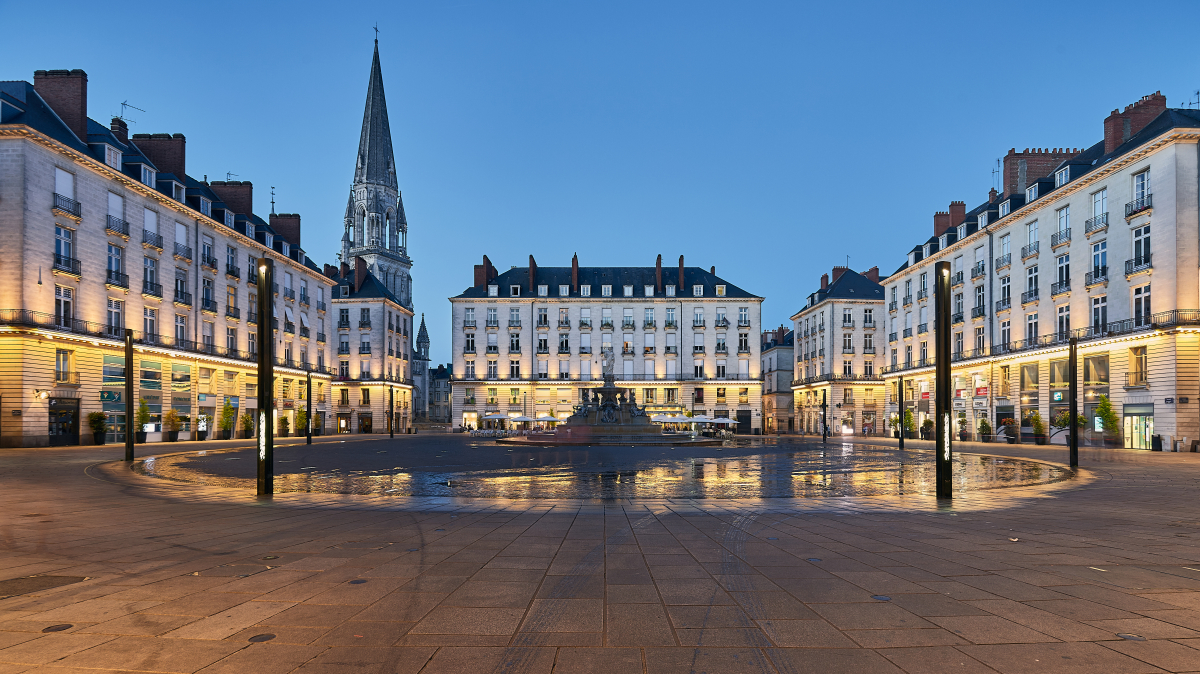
(420, 369)
(376, 229)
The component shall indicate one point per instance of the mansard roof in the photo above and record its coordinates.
(638, 277)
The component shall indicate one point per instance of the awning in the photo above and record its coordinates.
(304, 320)
(288, 315)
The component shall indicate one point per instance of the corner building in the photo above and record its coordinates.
(1099, 244)
(526, 340)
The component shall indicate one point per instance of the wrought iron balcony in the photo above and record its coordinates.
(1060, 287)
(1138, 264)
(469, 323)
(908, 300)
(698, 323)
(979, 270)
(697, 349)
(979, 311)
(956, 279)
(365, 324)
(233, 312)
(208, 261)
(585, 323)
(585, 350)
(564, 349)
(233, 271)
(847, 322)
(183, 251)
(63, 378)
(1003, 304)
(956, 318)
(721, 322)
(869, 349)
(67, 205)
(321, 337)
(1029, 296)
(152, 289)
(1096, 276)
(821, 327)
(208, 305)
(320, 305)
(648, 349)
(1060, 237)
(1134, 207)
(116, 278)
(251, 277)
(893, 306)
(1136, 378)
(543, 349)
(67, 264)
(1003, 261)
(722, 348)
(469, 349)
(344, 325)
(152, 239)
(289, 293)
(891, 336)
(117, 226)
(364, 348)
(564, 323)
(606, 324)
(649, 325)
(492, 323)
(304, 298)
(492, 348)
(670, 325)
(514, 323)
(1030, 250)
(1096, 223)
(343, 349)
(670, 348)
(627, 324)
(922, 294)
(907, 333)
(183, 297)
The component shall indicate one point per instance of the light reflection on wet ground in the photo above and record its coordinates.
(606, 473)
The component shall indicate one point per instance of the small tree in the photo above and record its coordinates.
(247, 422)
(143, 414)
(910, 422)
(1108, 418)
(985, 428)
(98, 422)
(283, 424)
(302, 421)
(1039, 426)
(171, 420)
(228, 416)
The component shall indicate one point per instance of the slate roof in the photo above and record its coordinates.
(617, 277)
(851, 285)
(371, 289)
(788, 341)
(38, 115)
(375, 162)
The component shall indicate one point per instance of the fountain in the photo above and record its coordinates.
(608, 415)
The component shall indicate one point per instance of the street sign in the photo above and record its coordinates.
(110, 396)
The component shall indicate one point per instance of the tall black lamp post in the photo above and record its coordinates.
(824, 416)
(308, 410)
(943, 414)
(130, 413)
(266, 377)
(1073, 365)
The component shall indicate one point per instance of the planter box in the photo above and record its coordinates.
(201, 435)
(139, 437)
(171, 436)
(245, 435)
(281, 434)
(224, 434)
(98, 438)
(1040, 439)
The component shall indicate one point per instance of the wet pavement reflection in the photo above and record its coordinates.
(743, 469)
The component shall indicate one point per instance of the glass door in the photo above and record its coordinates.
(1138, 431)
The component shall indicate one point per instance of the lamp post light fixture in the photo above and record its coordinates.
(266, 379)
(129, 414)
(943, 412)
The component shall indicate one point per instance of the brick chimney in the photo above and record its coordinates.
(532, 275)
(658, 284)
(958, 213)
(824, 281)
(484, 273)
(1022, 169)
(360, 272)
(167, 151)
(287, 225)
(65, 91)
(330, 271)
(872, 274)
(119, 129)
(679, 291)
(713, 270)
(1121, 125)
(238, 195)
(345, 270)
(575, 273)
(941, 222)
(837, 273)
(992, 195)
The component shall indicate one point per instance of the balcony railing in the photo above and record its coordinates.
(183, 251)
(922, 294)
(62, 378)
(1136, 378)
(565, 324)
(744, 323)
(891, 336)
(1003, 304)
(492, 324)
(627, 351)
(364, 348)
(364, 324)
(1138, 264)
(304, 299)
(847, 322)
(208, 305)
(670, 348)
(869, 324)
(514, 323)
(320, 305)
(469, 323)
(648, 325)
(1003, 261)
(698, 323)
(670, 325)
(721, 322)
(956, 318)
(233, 271)
(543, 349)
(847, 349)
(979, 270)
(289, 293)
(584, 350)
(627, 325)
(907, 333)
(152, 239)
(1030, 250)
(922, 328)
(67, 205)
(564, 349)
(289, 327)
(492, 348)
(648, 350)
(116, 278)
(837, 377)
(697, 349)
(1096, 276)
(1060, 237)
(542, 324)
(893, 306)
(343, 325)
(585, 323)
(1134, 207)
(233, 312)
(343, 349)
(304, 332)
(1096, 223)
(821, 327)
(321, 337)
(907, 300)
(868, 349)
(1060, 287)
(979, 311)
(722, 348)
(1029, 296)
(956, 279)
(183, 297)
(117, 226)
(208, 261)
(469, 349)
(67, 264)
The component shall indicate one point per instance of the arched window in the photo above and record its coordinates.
(359, 229)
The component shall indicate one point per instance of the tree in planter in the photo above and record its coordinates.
(246, 422)
(98, 422)
(985, 429)
(963, 433)
(1062, 422)
(228, 417)
(171, 424)
(1011, 430)
(1039, 428)
(927, 429)
(203, 426)
(1108, 418)
(910, 422)
(283, 425)
(143, 415)
(301, 422)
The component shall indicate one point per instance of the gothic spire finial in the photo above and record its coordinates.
(375, 159)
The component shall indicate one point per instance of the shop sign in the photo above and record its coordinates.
(203, 397)
(184, 400)
(1057, 396)
(960, 404)
(110, 396)
(289, 404)
(924, 395)
(981, 391)
(980, 404)
(1169, 401)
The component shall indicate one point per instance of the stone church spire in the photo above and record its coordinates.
(376, 163)
(423, 340)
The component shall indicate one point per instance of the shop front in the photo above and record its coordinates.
(343, 422)
(64, 421)
(1138, 425)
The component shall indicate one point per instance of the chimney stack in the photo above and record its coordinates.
(824, 281)
(941, 222)
(658, 284)
(958, 213)
(532, 274)
(713, 270)
(575, 273)
(872, 274)
(345, 270)
(238, 195)
(167, 151)
(330, 271)
(119, 129)
(679, 291)
(483, 273)
(1120, 126)
(837, 273)
(992, 195)
(287, 225)
(360, 272)
(65, 91)
(1021, 169)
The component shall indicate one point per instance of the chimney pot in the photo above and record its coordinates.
(65, 91)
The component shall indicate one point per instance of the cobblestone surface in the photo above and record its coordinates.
(1100, 573)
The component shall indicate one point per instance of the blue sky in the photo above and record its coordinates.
(770, 139)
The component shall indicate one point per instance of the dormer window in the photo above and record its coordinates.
(720, 291)
(1061, 177)
(285, 249)
(628, 291)
(543, 290)
(147, 175)
(229, 218)
(1031, 193)
(585, 291)
(670, 291)
(962, 232)
(178, 192)
(493, 291)
(606, 291)
(270, 240)
(697, 291)
(649, 291)
(1005, 208)
(928, 249)
(944, 241)
(563, 291)
(112, 157)
(344, 291)
(912, 257)
(206, 207)
(983, 220)
(514, 291)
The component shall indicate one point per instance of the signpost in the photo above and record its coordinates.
(943, 412)
(266, 377)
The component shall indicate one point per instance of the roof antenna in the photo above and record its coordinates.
(1196, 102)
(229, 175)
(995, 175)
(124, 105)
(272, 200)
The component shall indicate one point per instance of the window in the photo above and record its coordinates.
(606, 291)
(366, 396)
(848, 342)
(1064, 321)
(1099, 313)
(492, 370)
(924, 284)
(147, 175)
(543, 290)
(1100, 258)
(698, 371)
(1031, 278)
(1099, 203)
(493, 291)
(743, 342)
(744, 316)
(514, 291)
(1005, 208)
(1005, 377)
(697, 291)
(979, 340)
(252, 346)
(64, 243)
(698, 317)
(670, 291)
(848, 369)
(1138, 365)
(1141, 185)
(116, 206)
(1141, 245)
(64, 183)
(564, 290)
(1005, 245)
(1031, 328)
(1031, 193)
(150, 270)
(543, 316)
(116, 260)
(585, 291)
(1031, 232)
(720, 291)
(1141, 305)
(181, 331)
(63, 305)
(514, 369)
(628, 291)
(980, 293)
(206, 334)
(648, 291)
(150, 322)
(514, 342)
(924, 350)
(1064, 218)
(116, 310)
(1063, 268)
(1061, 176)
(958, 342)
(1005, 333)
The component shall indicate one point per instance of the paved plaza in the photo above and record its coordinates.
(105, 569)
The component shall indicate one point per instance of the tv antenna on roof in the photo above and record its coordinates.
(995, 173)
(1196, 102)
(272, 200)
(228, 175)
(125, 104)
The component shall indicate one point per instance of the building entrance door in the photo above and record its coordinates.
(743, 419)
(343, 423)
(364, 422)
(64, 421)
(1138, 431)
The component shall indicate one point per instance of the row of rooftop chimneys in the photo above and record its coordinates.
(65, 91)
(485, 273)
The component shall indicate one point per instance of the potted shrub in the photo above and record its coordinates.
(894, 424)
(985, 430)
(910, 424)
(1112, 424)
(202, 423)
(1011, 431)
(301, 422)
(98, 422)
(1039, 428)
(228, 417)
(316, 425)
(246, 423)
(283, 426)
(171, 424)
(143, 419)
(963, 434)
(927, 429)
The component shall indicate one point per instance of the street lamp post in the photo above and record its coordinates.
(129, 409)
(266, 377)
(900, 395)
(391, 412)
(824, 416)
(942, 408)
(1073, 366)
(308, 410)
